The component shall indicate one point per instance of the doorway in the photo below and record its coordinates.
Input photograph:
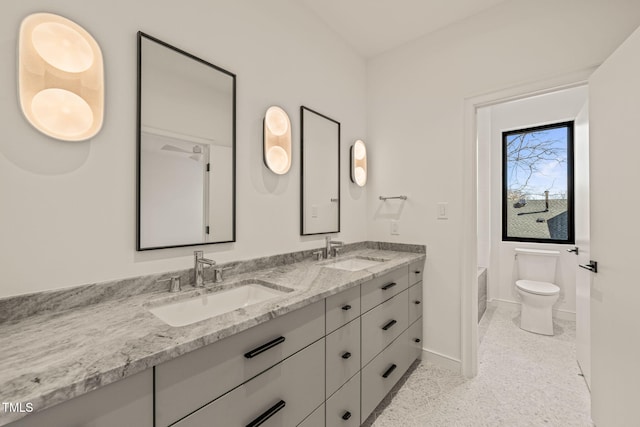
(469, 257)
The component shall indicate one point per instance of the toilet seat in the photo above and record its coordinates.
(537, 288)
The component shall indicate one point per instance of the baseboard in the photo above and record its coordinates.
(557, 314)
(442, 360)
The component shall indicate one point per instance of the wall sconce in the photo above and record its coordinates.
(277, 140)
(60, 77)
(359, 163)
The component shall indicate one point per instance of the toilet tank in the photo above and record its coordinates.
(537, 264)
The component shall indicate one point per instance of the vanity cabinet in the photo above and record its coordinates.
(339, 358)
(128, 402)
(388, 334)
(327, 364)
(388, 353)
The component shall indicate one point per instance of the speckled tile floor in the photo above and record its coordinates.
(523, 379)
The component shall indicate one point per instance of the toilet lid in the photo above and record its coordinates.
(538, 288)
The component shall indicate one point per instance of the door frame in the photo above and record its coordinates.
(469, 252)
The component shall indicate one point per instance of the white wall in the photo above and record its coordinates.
(67, 213)
(415, 120)
(539, 110)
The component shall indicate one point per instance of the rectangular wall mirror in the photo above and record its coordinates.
(186, 148)
(320, 176)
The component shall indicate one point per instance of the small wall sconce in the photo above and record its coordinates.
(277, 140)
(359, 163)
(61, 81)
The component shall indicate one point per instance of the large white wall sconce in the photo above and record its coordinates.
(277, 140)
(61, 77)
(359, 163)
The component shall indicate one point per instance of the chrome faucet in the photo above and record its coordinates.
(199, 263)
(332, 247)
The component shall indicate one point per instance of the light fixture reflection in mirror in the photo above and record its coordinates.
(277, 140)
(61, 81)
(359, 163)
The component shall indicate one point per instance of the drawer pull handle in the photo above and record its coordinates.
(346, 415)
(267, 414)
(346, 307)
(416, 302)
(256, 351)
(388, 371)
(388, 286)
(346, 355)
(389, 325)
(417, 340)
(417, 272)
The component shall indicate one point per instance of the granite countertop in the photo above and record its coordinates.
(52, 357)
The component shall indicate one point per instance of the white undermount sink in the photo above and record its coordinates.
(354, 264)
(191, 310)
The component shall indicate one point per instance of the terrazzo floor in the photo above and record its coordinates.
(523, 379)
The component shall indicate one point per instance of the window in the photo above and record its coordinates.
(537, 182)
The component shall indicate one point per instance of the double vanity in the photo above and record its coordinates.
(303, 342)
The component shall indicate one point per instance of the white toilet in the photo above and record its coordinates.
(537, 271)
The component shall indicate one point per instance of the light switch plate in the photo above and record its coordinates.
(314, 211)
(443, 210)
(395, 227)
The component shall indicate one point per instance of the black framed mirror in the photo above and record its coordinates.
(320, 173)
(186, 148)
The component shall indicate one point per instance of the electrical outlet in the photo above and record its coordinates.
(395, 227)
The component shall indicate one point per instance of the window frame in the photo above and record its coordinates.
(569, 125)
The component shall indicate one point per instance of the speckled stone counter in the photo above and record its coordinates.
(80, 339)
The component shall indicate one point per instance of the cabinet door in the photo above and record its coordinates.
(191, 381)
(343, 355)
(342, 308)
(416, 271)
(415, 302)
(128, 402)
(343, 408)
(415, 340)
(282, 396)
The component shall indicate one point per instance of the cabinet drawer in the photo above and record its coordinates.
(379, 376)
(415, 302)
(416, 271)
(191, 381)
(383, 324)
(415, 340)
(343, 355)
(342, 308)
(382, 288)
(286, 394)
(316, 419)
(343, 408)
